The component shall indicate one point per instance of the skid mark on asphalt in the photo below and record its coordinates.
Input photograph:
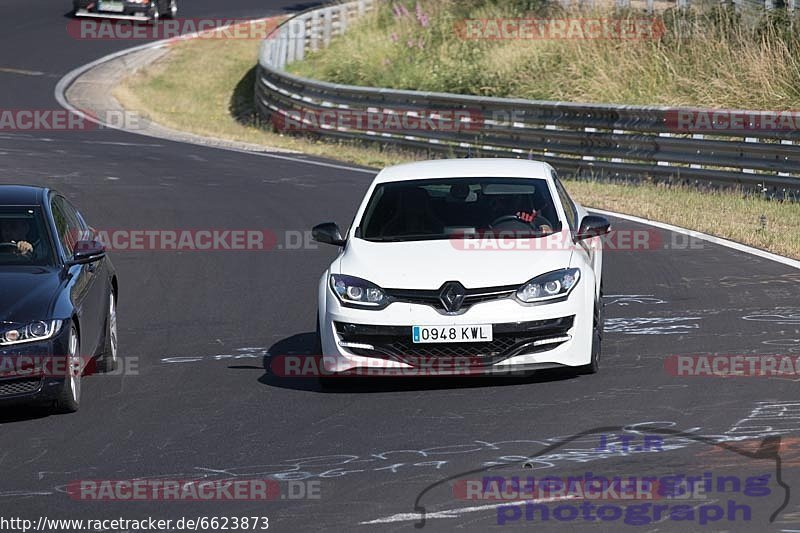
(257, 352)
(625, 300)
(652, 325)
(22, 72)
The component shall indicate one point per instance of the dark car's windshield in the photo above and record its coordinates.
(24, 238)
(448, 208)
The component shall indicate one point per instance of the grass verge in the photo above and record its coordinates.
(707, 57)
(220, 104)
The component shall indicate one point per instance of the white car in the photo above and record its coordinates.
(463, 266)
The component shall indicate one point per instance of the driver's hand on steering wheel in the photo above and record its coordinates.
(531, 219)
(24, 247)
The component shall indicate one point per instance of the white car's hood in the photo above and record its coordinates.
(428, 264)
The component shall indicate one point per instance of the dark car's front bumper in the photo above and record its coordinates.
(34, 372)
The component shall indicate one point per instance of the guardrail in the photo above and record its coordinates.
(597, 140)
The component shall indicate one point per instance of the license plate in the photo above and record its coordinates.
(114, 7)
(476, 333)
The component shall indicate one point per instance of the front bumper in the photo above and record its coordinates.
(525, 337)
(35, 372)
(131, 11)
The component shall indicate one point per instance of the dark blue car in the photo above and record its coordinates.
(58, 296)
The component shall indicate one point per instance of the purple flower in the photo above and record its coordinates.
(421, 16)
(394, 37)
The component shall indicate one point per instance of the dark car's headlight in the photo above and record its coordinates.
(40, 330)
(549, 286)
(358, 292)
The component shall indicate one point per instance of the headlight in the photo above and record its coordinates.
(358, 292)
(35, 331)
(549, 286)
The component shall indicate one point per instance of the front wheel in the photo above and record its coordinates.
(69, 397)
(171, 10)
(597, 338)
(109, 360)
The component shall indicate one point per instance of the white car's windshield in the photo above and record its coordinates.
(448, 208)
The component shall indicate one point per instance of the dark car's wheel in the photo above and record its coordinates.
(109, 360)
(172, 10)
(155, 14)
(69, 398)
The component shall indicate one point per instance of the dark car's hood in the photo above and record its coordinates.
(28, 294)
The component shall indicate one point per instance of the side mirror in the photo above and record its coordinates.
(592, 226)
(328, 233)
(87, 252)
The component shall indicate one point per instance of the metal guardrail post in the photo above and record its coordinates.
(327, 26)
(342, 19)
(300, 41)
(291, 41)
(315, 26)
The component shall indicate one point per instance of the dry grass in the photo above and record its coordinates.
(208, 104)
(220, 104)
(708, 59)
(724, 214)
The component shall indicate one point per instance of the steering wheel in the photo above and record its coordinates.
(513, 218)
(507, 218)
(8, 245)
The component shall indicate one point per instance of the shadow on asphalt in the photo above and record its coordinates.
(22, 412)
(303, 344)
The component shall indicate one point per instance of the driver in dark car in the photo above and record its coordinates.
(15, 231)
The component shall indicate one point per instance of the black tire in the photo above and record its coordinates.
(318, 340)
(325, 382)
(69, 398)
(597, 337)
(172, 10)
(108, 361)
(155, 15)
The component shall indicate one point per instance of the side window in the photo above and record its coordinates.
(569, 206)
(68, 224)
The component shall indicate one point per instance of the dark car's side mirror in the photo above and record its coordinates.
(328, 233)
(592, 226)
(87, 252)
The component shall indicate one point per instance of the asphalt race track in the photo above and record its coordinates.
(200, 328)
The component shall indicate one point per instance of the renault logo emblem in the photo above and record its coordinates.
(452, 296)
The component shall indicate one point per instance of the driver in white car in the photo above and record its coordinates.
(15, 231)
